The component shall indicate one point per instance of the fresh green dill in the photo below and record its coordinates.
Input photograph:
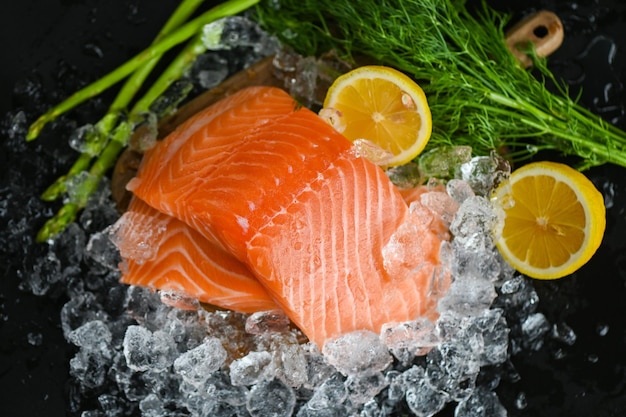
(478, 93)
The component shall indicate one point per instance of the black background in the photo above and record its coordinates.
(63, 44)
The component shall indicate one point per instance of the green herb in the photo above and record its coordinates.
(478, 93)
(111, 134)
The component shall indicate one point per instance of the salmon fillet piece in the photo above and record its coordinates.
(325, 232)
(161, 252)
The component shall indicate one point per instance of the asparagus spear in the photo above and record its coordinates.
(139, 67)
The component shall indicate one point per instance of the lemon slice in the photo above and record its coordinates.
(383, 106)
(554, 219)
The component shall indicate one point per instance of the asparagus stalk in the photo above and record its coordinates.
(228, 8)
(121, 102)
(119, 139)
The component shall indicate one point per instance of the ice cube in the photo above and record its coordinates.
(145, 350)
(473, 223)
(79, 186)
(251, 369)
(112, 405)
(87, 139)
(534, 327)
(405, 176)
(90, 367)
(416, 337)
(267, 321)
(483, 173)
(134, 236)
(197, 364)
(91, 334)
(361, 389)
(330, 394)
(219, 388)
(482, 403)
(564, 333)
(290, 365)
(318, 370)
(452, 368)
(152, 406)
(271, 399)
(422, 399)
(364, 148)
(459, 190)
(468, 297)
(103, 251)
(44, 273)
(358, 352)
(237, 32)
(441, 204)
(444, 162)
(80, 309)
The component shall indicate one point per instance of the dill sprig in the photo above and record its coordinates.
(478, 93)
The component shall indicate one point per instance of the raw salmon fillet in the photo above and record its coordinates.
(161, 252)
(325, 232)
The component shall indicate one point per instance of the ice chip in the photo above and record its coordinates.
(91, 334)
(364, 148)
(267, 321)
(483, 173)
(452, 368)
(422, 399)
(145, 350)
(290, 364)
(79, 310)
(87, 139)
(482, 403)
(44, 273)
(318, 370)
(237, 32)
(197, 364)
(78, 187)
(416, 337)
(441, 204)
(467, 297)
(358, 352)
(271, 399)
(473, 223)
(152, 406)
(18, 126)
(168, 102)
(250, 369)
(444, 162)
(534, 327)
(34, 338)
(405, 176)
(361, 389)
(563, 333)
(144, 132)
(102, 250)
(329, 394)
(178, 299)
(521, 402)
(133, 240)
(459, 190)
(90, 367)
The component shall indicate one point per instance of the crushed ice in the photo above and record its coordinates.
(136, 355)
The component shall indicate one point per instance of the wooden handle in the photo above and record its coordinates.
(543, 28)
